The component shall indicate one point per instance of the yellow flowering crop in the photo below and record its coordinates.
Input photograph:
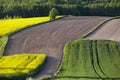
(20, 63)
(12, 25)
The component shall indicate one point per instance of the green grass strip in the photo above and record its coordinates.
(90, 60)
(3, 42)
(10, 26)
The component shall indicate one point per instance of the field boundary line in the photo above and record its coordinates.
(10, 34)
(4, 44)
(98, 26)
(88, 33)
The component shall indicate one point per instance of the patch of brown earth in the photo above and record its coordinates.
(109, 31)
(50, 38)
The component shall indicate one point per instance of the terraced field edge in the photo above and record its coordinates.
(98, 26)
(88, 33)
(3, 43)
(37, 24)
(25, 23)
(5, 38)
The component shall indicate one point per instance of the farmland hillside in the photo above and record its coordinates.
(10, 26)
(26, 33)
(108, 31)
(28, 8)
(90, 60)
(3, 42)
(50, 38)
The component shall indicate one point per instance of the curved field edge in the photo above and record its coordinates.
(90, 32)
(57, 18)
(58, 31)
(98, 26)
(4, 38)
(11, 26)
(90, 59)
(3, 42)
(21, 65)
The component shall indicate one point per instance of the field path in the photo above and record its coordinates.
(50, 39)
(109, 31)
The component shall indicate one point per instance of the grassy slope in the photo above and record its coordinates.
(3, 42)
(85, 59)
(10, 26)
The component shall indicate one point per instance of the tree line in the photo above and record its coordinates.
(31, 8)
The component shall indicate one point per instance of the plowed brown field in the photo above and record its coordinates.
(50, 39)
(109, 31)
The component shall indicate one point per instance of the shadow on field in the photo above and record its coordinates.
(12, 78)
(48, 62)
(88, 77)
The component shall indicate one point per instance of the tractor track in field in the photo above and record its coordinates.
(108, 31)
(50, 38)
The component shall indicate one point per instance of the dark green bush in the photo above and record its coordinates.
(53, 13)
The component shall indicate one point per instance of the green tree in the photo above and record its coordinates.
(52, 1)
(53, 13)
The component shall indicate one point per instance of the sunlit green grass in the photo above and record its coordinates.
(3, 42)
(90, 60)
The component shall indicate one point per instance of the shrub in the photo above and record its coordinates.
(53, 13)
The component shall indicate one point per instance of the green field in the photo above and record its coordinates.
(90, 60)
(20, 64)
(3, 42)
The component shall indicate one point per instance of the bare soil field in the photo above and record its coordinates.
(109, 31)
(50, 38)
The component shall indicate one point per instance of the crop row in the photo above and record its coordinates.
(90, 59)
(20, 63)
(12, 25)
(3, 42)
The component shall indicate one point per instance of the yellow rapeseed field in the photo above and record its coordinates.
(20, 63)
(12, 25)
